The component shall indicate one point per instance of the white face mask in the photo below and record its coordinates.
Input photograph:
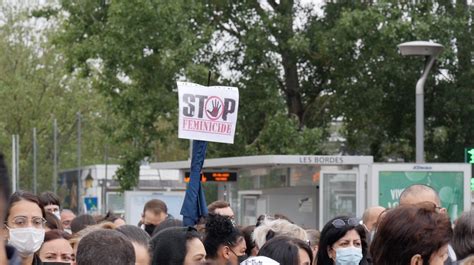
(26, 240)
(68, 230)
(348, 256)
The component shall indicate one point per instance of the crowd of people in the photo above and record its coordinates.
(37, 230)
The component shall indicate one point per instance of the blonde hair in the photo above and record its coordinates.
(280, 227)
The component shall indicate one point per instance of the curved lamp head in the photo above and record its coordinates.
(420, 48)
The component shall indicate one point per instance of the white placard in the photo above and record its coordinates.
(207, 113)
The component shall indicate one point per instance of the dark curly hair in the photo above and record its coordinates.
(220, 232)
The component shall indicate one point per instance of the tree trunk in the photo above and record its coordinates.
(292, 89)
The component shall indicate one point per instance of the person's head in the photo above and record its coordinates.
(221, 208)
(282, 216)
(51, 203)
(463, 236)
(66, 218)
(140, 240)
(371, 216)
(154, 212)
(52, 222)
(111, 217)
(24, 226)
(76, 237)
(342, 238)
(261, 260)
(270, 228)
(56, 247)
(167, 224)
(105, 246)
(313, 239)
(287, 250)
(267, 217)
(223, 241)
(419, 193)
(177, 246)
(251, 249)
(82, 221)
(412, 234)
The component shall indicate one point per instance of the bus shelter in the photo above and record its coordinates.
(308, 189)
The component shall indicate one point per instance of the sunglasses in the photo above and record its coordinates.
(340, 223)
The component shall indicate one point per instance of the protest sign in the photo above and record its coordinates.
(207, 113)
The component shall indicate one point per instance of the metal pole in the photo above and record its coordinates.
(104, 187)
(55, 155)
(17, 162)
(13, 163)
(79, 177)
(35, 152)
(420, 127)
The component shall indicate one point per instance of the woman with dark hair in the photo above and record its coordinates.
(287, 250)
(412, 234)
(139, 239)
(24, 226)
(342, 241)
(251, 249)
(223, 241)
(82, 221)
(52, 222)
(171, 222)
(463, 237)
(56, 248)
(51, 203)
(177, 246)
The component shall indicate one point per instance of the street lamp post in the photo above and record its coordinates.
(431, 51)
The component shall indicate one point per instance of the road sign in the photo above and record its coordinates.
(91, 204)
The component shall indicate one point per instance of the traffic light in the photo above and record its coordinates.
(472, 183)
(469, 155)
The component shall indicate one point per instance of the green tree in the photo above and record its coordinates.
(374, 84)
(265, 50)
(35, 90)
(134, 51)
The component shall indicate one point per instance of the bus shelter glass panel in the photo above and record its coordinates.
(249, 204)
(338, 196)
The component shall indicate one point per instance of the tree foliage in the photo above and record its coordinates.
(345, 64)
(297, 69)
(375, 85)
(134, 51)
(35, 89)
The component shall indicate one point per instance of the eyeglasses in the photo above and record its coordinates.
(340, 223)
(22, 222)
